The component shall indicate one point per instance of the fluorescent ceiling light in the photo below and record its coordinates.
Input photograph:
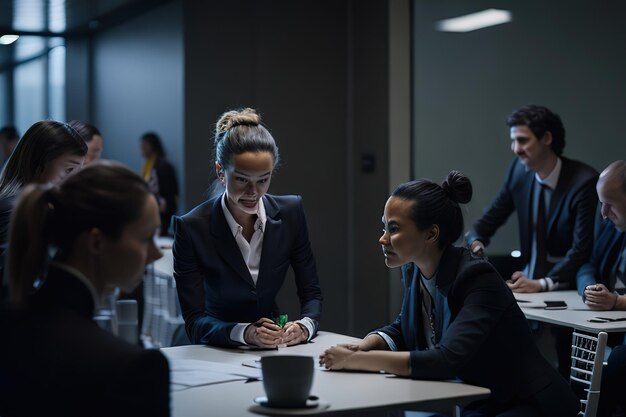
(474, 21)
(8, 39)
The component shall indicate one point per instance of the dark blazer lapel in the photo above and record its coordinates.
(526, 215)
(271, 237)
(227, 246)
(608, 269)
(412, 320)
(558, 195)
(446, 274)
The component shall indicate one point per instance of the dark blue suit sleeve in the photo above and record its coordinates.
(303, 264)
(484, 302)
(588, 273)
(201, 327)
(584, 209)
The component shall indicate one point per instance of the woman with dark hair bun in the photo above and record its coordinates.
(458, 319)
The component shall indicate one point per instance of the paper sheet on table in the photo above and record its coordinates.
(187, 373)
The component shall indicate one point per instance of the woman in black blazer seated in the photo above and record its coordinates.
(458, 319)
(54, 359)
(232, 252)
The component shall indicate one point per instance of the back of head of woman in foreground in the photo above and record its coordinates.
(100, 225)
(100, 221)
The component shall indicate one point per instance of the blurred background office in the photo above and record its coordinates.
(360, 94)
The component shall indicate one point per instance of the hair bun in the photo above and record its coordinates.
(234, 118)
(458, 187)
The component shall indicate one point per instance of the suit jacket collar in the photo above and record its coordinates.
(567, 179)
(563, 186)
(63, 290)
(271, 237)
(446, 275)
(448, 267)
(227, 246)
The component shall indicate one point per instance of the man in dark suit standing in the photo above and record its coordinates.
(555, 201)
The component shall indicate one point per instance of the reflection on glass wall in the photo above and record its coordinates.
(29, 15)
(29, 87)
(56, 15)
(4, 111)
(56, 85)
(34, 68)
(29, 46)
(38, 82)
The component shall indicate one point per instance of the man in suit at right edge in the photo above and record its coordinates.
(555, 201)
(603, 279)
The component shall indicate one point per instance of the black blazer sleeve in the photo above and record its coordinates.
(481, 302)
(201, 327)
(574, 227)
(303, 264)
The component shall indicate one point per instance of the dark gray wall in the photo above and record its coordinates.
(78, 79)
(317, 73)
(138, 86)
(565, 55)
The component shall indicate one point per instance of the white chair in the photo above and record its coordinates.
(586, 370)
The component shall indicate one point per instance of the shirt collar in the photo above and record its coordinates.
(82, 278)
(236, 227)
(553, 178)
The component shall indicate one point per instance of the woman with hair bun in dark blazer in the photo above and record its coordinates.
(232, 252)
(458, 319)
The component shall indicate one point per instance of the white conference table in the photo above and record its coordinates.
(576, 315)
(349, 393)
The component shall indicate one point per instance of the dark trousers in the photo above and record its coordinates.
(562, 339)
(563, 345)
(613, 388)
(555, 400)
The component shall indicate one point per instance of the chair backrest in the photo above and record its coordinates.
(586, 370)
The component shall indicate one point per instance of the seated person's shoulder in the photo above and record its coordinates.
(284, 201)
(150, 361)
(583, 171)
(473, 265)
(290, 206)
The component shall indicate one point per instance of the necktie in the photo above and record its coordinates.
(542, 266)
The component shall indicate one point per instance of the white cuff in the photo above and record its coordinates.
(309, 324)
(548, 284)
(387, 339)
(237, 333)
